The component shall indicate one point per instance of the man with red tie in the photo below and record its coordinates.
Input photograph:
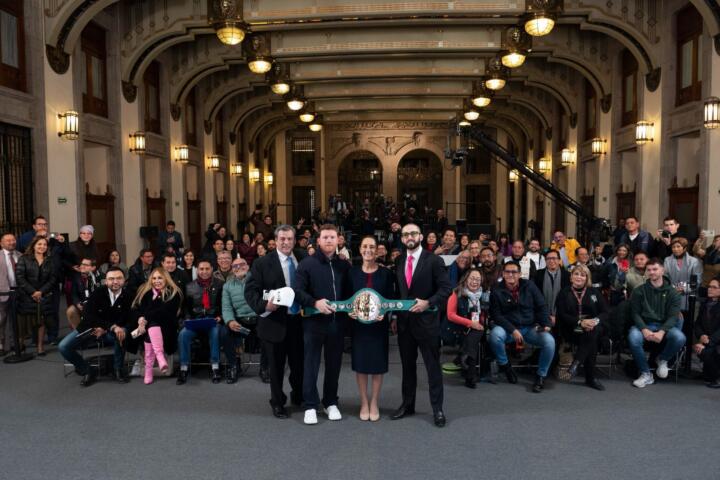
(7, 281)
(421, 276)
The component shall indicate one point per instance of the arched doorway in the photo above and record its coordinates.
(360, 177)
(420, 179)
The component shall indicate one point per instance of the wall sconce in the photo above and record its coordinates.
(712, 113)
(69, 125)
(268, 178)
(214, 162)
(598, 146)
(254, 175)
(644, 132)
(182, 154)
(137, 143)
(544, 166)
(236, 170)
(567, 157)
(513, 176)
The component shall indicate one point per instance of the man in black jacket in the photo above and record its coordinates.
(550, 280)
(421, 276)
(140, 270)
(203, 299)
(322, 277)
(106, 316)
(279, 328)
(518, 310)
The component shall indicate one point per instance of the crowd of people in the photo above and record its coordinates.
(487, 297)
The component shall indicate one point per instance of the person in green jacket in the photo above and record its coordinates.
(655, 310)
(235, 313)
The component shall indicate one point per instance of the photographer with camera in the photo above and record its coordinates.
(661, 245)
(710, 256)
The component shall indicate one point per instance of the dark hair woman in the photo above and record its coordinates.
(37, 283)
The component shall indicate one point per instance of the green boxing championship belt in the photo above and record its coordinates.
(367, 305)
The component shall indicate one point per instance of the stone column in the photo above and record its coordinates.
(572, 181)
(649, 158)
(500, 200)
(177, 196)
(209, 199)
(62, 155)
(282, 173)
(604, 163)
(709, 218)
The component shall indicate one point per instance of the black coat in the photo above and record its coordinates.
(539, 278)
(160, 314)
(99, 313)
(429, 282)
(530, 309)
(31, 278)
(708, 323)
(318, 277)
(266, 275)
(193, 300)
(566, 309)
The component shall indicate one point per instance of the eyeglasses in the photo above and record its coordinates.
(547, 259)
(238, 266)
(409, 234)
(511, 272)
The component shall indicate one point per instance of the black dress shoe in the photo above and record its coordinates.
(121, 376)
(216, 377)
(714, 384)
(280, 412)
(182, 377)
(470, 383)
(88, 379)
(264, 375)
(439, 418)
(539, 384)
(403, 411)
(572, 371)
(509, 373)
(594, 383)
(232, 375)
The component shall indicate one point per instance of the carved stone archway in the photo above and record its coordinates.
(419, 176)
(360, 176)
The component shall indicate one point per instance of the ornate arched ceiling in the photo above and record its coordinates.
(361, 60)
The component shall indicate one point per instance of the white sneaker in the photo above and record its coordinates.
(333, 413)
(643, 380)
(310, 417)
(662, 369)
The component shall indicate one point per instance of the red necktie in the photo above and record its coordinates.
(409, 270)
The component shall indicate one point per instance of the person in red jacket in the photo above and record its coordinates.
(465, 308)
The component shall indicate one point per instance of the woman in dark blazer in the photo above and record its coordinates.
(157, 306)
(581, 311)
(37, 280)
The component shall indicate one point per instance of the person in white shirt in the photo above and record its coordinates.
(7, 282)
(535, 254)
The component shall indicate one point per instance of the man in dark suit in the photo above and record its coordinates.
(106, 314)
(550, 280)
(421, 276)
(279, 328)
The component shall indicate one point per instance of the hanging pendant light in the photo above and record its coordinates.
(279, 83)
(258, 54)
(294, 99)
(317, 124)
(541, 16)
(482, 96)
(226, 17)
(517, 45)
(470, 112)
(496, 74)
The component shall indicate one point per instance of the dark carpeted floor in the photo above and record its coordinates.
(50, 427)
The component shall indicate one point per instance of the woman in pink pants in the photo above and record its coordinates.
(157, 305)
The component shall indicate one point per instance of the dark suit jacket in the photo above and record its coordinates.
(99, 313)
(430, 282)
(267, 274)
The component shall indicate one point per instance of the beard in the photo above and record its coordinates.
(411, 244)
